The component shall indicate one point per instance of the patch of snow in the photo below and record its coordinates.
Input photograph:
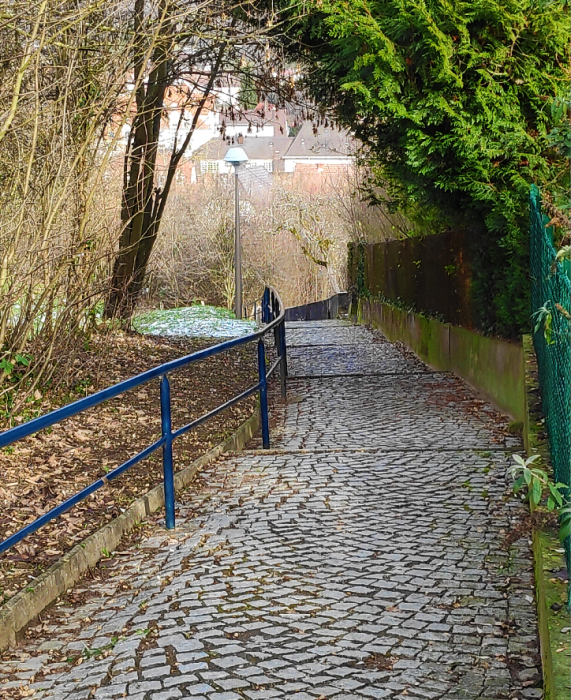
(193, 321)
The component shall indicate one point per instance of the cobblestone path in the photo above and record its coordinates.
(362, 557)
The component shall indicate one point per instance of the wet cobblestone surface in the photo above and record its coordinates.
(361, 557)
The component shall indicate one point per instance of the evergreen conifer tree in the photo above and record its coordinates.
(454, 101)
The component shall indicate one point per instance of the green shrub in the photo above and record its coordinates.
(460, 106)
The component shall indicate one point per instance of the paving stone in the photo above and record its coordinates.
(376, 693)
(156, 672)
(111, 691)
(231, 683)
(229, 661)
(192, 667)
(198, 689)
(171, 694)
(183, 679)
(143, 687)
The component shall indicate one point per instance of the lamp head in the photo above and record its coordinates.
(236, 156)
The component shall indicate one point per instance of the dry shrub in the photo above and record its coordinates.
(62, 70)
(294, 237)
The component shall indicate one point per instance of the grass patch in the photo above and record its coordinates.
(558, 620)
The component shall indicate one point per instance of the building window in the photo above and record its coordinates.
(209, 166)
(266, 164)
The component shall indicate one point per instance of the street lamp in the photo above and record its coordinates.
(235, 157)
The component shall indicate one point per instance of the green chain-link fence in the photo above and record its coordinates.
(551, 301)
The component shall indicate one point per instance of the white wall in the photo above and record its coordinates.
(207, 130)
(268, 130)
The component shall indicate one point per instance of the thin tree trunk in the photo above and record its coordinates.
(138, 194)
(143, 204)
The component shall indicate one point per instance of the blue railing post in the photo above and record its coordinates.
(266, 306)
(168, 471)
(263, 394)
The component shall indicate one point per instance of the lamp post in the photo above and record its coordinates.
(235, 157)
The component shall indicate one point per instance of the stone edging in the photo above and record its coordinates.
(20, 610)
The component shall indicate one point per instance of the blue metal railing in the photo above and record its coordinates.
(273, 315)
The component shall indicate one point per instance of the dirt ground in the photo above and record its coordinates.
(41, 471)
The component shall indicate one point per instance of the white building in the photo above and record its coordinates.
(328, 150)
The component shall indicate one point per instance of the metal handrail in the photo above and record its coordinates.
(273, 315)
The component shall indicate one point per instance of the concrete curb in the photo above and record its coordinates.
(20, 610)
(535, 446)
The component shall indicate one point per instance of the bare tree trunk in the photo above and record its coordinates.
(143, 203)
(161, 195)
(139, 197)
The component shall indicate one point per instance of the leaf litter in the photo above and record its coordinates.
(41, 471)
